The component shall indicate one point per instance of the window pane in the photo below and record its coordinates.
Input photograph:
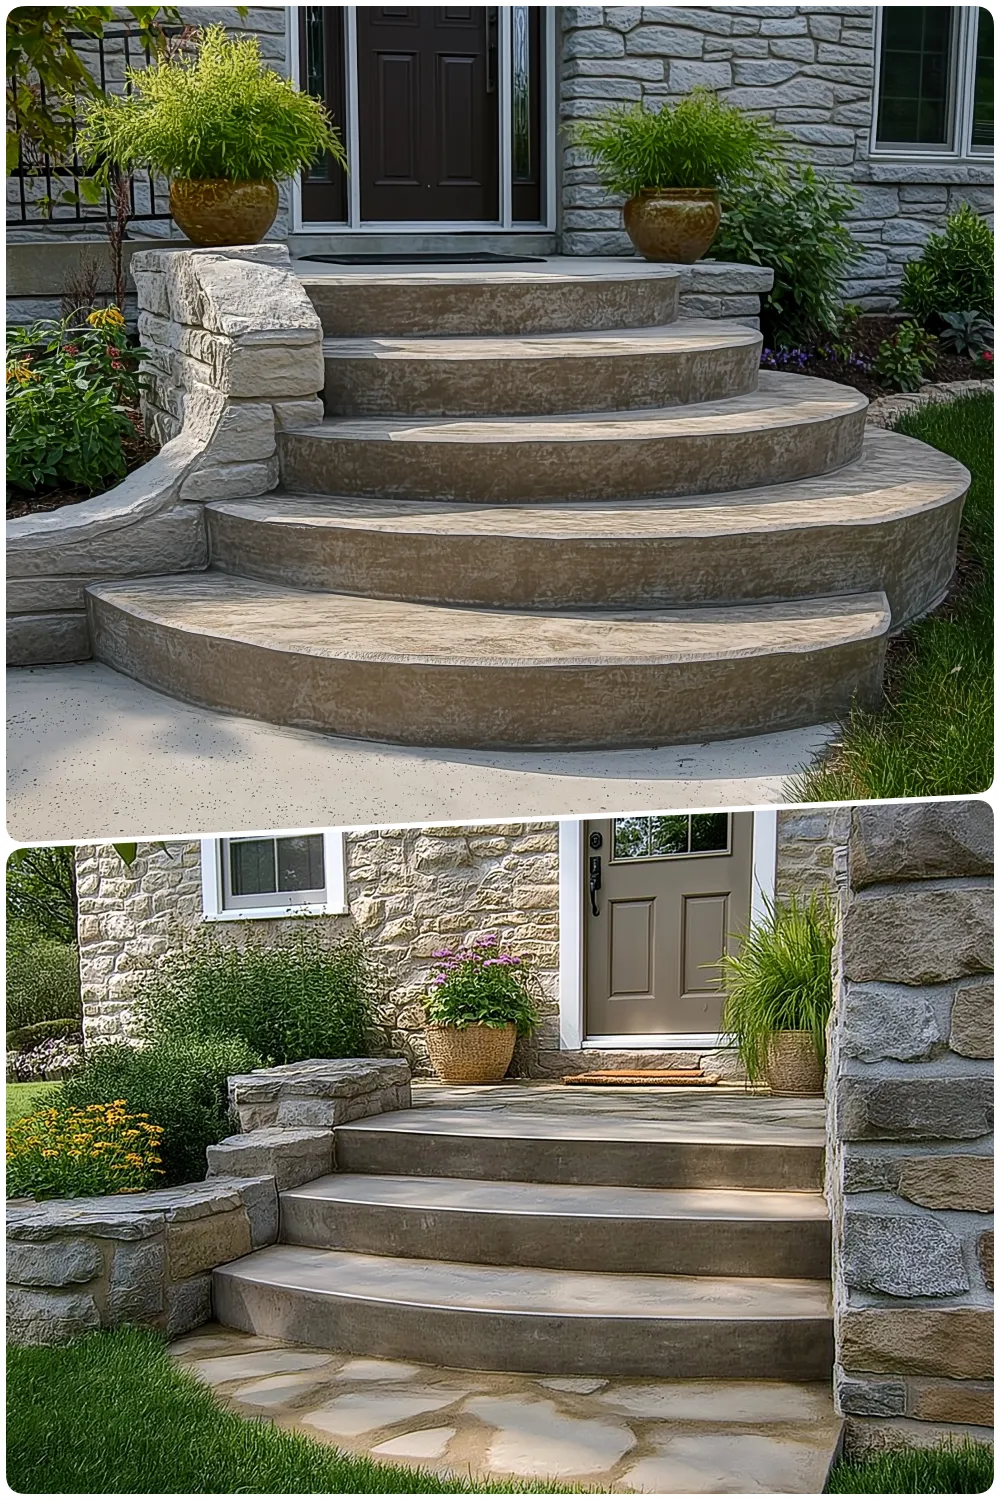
(709, 833)
(915, 75)
(982, 108)
(251, 866)
(631, 838)
(670, 834)
(300, 863)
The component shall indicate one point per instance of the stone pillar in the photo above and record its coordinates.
(910, 1112)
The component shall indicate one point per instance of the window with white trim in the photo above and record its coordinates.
(934, 86)
(273, 875)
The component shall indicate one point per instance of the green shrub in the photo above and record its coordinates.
(482, 984)
(954, 273)
(903, 361)
(699, 142)
(780, 980)
(966, 333)
(43, 978)
(221, 113)
(792, 221)
(24, 1037)
(61, 1152)
(301, 997)
(69, 393)
(179, 1083)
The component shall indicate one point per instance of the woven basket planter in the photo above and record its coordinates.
(470, 1054)
(792, 1064)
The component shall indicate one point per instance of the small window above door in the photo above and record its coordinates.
(670, 836)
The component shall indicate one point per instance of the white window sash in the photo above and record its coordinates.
(961, 102)
(332, 902)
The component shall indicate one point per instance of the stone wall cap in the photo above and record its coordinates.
(322, 1078)
(126, 1215)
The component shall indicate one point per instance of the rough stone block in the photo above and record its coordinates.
(951, 1341)
(189, 1304)
(984, 1255)
(665, 41)
(290, 1156)
(261, 369)
(43, 1317)
(957, 1401)
(685, 76)
(59, 1262)
(914, 1109)
(972, 1020)
(863, 1172)
(291, 414)
(870, 1398)
(888, 1021)
(135, 1288)
(923, 935)
(260, 1199)
(902, 1255)
(920, 841)
(245, 433)
(964, 1183)
(200, 1244)
(230, 481)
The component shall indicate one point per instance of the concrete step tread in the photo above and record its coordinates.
(352, 627)
(780, 402)
(537, 1125)
(894, 477)
(529, 1291)
(476, 1195)
(685, 335)
(555, 269)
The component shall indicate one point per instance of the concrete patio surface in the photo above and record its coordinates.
(92, 754)
(610, 1435)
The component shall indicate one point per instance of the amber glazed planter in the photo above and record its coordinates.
(471, 1054)
(214, 211)
(792, 1064)
(674, 224)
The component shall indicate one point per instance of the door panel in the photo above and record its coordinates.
(674, 892)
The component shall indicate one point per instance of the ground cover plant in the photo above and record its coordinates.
(934, 735)
(964, 1468)
(111, 1414)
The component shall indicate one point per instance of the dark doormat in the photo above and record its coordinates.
(473, 258)
(677, 1078)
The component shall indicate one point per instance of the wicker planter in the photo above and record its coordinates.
(219, 212)
(470, 1054)
(792, 1064)
(673, 224)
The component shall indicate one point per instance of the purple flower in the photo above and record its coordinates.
(442, 953)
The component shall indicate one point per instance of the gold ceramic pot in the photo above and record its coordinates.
(470, 1054)
(792, 1064)
(214, 211)
(675, 224)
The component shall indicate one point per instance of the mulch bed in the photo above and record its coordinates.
(867, 334)
(138, 451)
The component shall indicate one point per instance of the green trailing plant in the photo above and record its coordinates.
(43, 978)
(179, 1083)
(297, 997)
(482, 983)
(220, 112)
(966, 333)
(954, 271)
(904, 360)
(780, 979)
(792, 219)
(699, 142)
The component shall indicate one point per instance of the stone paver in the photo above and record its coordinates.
(615, 1436)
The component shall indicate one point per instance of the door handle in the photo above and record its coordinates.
(492, 26)
(595, 883)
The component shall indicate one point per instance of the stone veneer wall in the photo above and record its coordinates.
(910, 1119)
(810, 68)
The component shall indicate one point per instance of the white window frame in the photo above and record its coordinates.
(355, 225)
(963, 66)
(334, 903)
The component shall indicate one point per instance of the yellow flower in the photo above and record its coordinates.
(20, 372)
(103, 318)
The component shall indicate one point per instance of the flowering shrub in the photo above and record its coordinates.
(481, 984)
(903, 361)
(72, 1153)
(48, 1059)
(797, 359)
(72, 402)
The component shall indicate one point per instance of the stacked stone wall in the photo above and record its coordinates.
(910, 1120)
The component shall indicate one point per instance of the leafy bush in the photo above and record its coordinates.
(481, 984)
(43, 1031)
(43, 978)
(179, 1083)
(792, 221)
(780, 980)
(221, 113)
(955, 270)
(966, 333)
(69, 394)
(70, 1153)
(902, 362)
(305, 997)
(699, 142)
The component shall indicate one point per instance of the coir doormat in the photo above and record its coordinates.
(686, 1078)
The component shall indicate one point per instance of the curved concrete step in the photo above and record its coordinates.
(624, 369)
(680, 1232)
(420, 674)
(588, 1150)
(887, 521)
(513, 1318)
(791, 426)
(564, 295)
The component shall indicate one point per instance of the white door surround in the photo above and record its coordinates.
(571, 916)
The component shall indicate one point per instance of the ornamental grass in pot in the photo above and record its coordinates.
(222, 126)
(670, 165)
(779, 993)
(482, 998)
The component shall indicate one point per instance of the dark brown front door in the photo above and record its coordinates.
(673, 891)
(427, 106)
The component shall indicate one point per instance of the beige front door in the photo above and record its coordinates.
(664, 896)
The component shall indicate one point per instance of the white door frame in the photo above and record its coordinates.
(571, 935)
(355, 225)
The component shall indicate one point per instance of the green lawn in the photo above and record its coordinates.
(112, 1414)
(934, 736)
(959, 1469)
(23, 1098)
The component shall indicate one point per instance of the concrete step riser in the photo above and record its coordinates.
(362, 387)
(611, 704)
(377, 309)
(910, 557)
(584, 1162)
(798, 1349)
(678, 1247)
(322, 461)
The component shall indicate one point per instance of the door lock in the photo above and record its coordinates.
(595, 883)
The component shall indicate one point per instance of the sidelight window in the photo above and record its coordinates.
(934, 91)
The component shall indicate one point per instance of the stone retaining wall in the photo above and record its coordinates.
(910, 1119)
